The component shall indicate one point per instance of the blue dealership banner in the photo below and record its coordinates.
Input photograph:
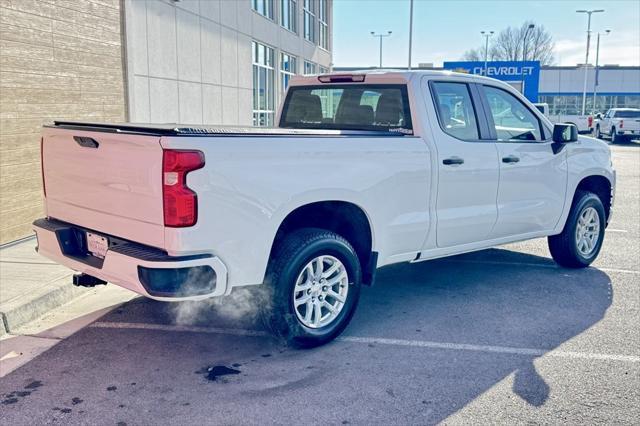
(514, 72)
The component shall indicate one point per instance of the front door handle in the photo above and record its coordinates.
(453, 160)
(510, 159)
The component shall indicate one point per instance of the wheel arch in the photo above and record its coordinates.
(342, 217)
(599, 185)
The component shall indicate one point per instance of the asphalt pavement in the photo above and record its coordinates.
(497, 336)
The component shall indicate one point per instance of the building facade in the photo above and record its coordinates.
(57, 61)
(219, 62)
(560, 87)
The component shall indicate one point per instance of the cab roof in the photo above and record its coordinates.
(382, 76)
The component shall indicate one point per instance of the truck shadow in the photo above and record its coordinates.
(496, 299)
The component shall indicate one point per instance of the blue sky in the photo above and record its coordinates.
(443, 30)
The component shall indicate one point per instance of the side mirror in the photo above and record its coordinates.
(565, 133)
(599, 116)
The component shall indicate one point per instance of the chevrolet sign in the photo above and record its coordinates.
(515, 72)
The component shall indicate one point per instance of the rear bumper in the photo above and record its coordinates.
(146, 270)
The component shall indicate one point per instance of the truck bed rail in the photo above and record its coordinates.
(187, 130)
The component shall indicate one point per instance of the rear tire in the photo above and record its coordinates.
(614, 136)
(314, 278)
(598, 134)
(581, 239)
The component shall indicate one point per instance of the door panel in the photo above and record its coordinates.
(532, 190)
(466, 201)
(533, 179)
(468, 170)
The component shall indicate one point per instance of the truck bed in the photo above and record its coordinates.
(108, 176)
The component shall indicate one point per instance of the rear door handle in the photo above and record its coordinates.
(510, 159)
(453, 160)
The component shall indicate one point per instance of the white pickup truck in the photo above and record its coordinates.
(619, 124)
(584, 123)
(365, 170)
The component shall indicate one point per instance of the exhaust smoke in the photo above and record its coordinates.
(243, 304)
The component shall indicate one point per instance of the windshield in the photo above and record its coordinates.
(628, 114)
(348, 107)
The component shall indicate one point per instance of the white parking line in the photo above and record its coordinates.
(188, 328)
(617, 230)
(383, 341)
(622, 271)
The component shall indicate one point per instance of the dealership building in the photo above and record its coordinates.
(559, 86)
(157, 61)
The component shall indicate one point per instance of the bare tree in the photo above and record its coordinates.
(473, 55)
(509, 43)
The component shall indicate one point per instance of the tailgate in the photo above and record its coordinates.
(108, 182)
(631, 124)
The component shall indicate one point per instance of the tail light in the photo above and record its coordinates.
(621, 123)
(44, 187)
(180, 203)
(590, 121)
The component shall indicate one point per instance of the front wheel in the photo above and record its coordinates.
(581, 239)
(314, 278)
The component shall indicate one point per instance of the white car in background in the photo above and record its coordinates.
(584, 123)
(620, 124)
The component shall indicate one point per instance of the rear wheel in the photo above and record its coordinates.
(614, 136)
(579, 243)
(598, 134)
(314, 281)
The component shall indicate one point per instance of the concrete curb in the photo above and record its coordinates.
(19, 311)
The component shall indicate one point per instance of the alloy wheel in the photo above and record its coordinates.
(321, 291)
(587, 231)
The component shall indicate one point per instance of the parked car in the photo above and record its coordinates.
(365, 170)
(619, 124)
(584, 123)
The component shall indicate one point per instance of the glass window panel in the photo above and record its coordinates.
(263, 7)
(289, 15)
(512, 119)
(348, 107)
(263, 85)
(456, 112)
(309, 30)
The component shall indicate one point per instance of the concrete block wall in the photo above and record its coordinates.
(190, 61)
(59, 59)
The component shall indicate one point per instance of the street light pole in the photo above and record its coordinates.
(380, 36)
(410, 31)
(586, 60)
(524, 55)
(595, 83)
(486, 35)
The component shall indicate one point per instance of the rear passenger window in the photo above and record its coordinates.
(456, 113)
(512, 119)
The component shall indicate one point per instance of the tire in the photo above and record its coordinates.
(598, 134)
(614, 136)
(567, 249)
(289, 270)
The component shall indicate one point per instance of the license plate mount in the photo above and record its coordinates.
(97, 245)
